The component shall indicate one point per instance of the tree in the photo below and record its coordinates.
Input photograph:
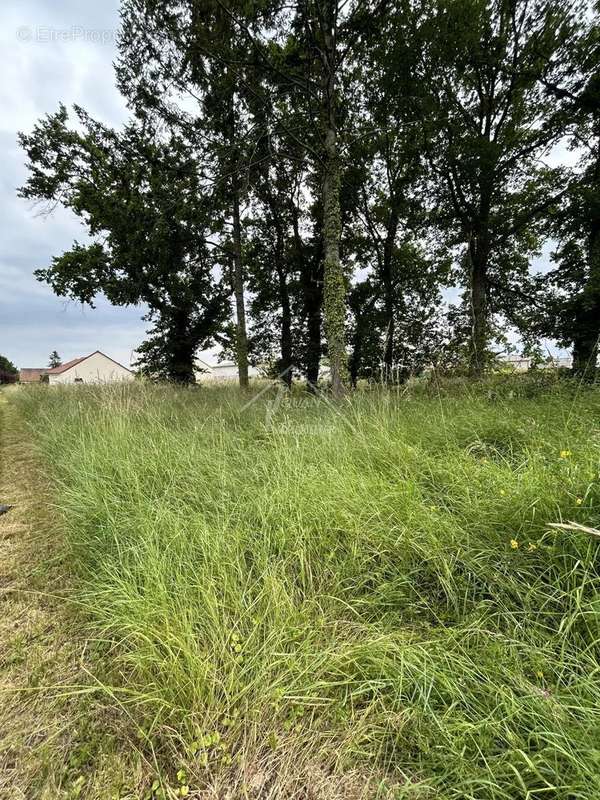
(323, 24)
(418, 333)
(54, 360)
(574, 314)
(383, 189)
(284, 254)
(488, 123)
(576, 317)
(141, 200)
(8, 372)
(187, 65)
(230, 59)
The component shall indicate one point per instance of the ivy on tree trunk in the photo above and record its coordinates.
(334, 288)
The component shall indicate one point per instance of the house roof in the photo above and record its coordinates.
(67, 365)
(32, 374)
(75, 361)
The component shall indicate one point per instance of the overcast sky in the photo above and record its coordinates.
(52, 51)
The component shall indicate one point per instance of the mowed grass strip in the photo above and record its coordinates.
(59, 738)
(356, 600)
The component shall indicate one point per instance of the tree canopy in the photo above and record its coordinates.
(305, 180)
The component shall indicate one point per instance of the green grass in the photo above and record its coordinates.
(333, 601)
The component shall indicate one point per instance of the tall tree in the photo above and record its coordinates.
(141, 200)
(575, 311)
(223, 55)
(189, 65)
(323, 24)
(488, 123)
(383, 190)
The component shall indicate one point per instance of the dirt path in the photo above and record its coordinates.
(52, 744)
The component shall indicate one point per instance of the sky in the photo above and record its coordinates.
(52, 51)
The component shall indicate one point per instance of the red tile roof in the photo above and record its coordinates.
(67, 365)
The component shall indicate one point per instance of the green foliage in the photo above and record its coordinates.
(574, 315)
(371, 590)
(8, 371)
(487, 121)
(141, 199)
(54, 360)
(7, 366)
(385, 152)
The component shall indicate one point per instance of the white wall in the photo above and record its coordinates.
(223, 372)
(95, 369)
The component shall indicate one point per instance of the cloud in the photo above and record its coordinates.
(52, 51)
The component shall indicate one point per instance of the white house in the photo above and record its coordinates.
(226, 371)
(95, 368)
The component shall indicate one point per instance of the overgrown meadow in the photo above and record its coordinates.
(293, 598)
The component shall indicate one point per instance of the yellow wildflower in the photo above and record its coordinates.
(531, 547)
(579, 501)
(514, 544)
(539, 673)
(565, 453)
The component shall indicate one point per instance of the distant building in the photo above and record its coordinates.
(522, 363)
(95, 368)
(225, 371)
(565, 362)
(32, 374)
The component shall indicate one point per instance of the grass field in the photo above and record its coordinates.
(296, 600)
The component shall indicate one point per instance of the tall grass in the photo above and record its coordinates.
(289, 596)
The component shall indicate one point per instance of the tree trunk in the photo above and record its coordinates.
(355, 358)
(182, 370)
(183, 351)
(354, 364)
(388, 289)
(587, 316)
(313, 303)
(285, 364)
(478, 261)
(238, 291)
(334, 288)
(233, 165)
(311, 271)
